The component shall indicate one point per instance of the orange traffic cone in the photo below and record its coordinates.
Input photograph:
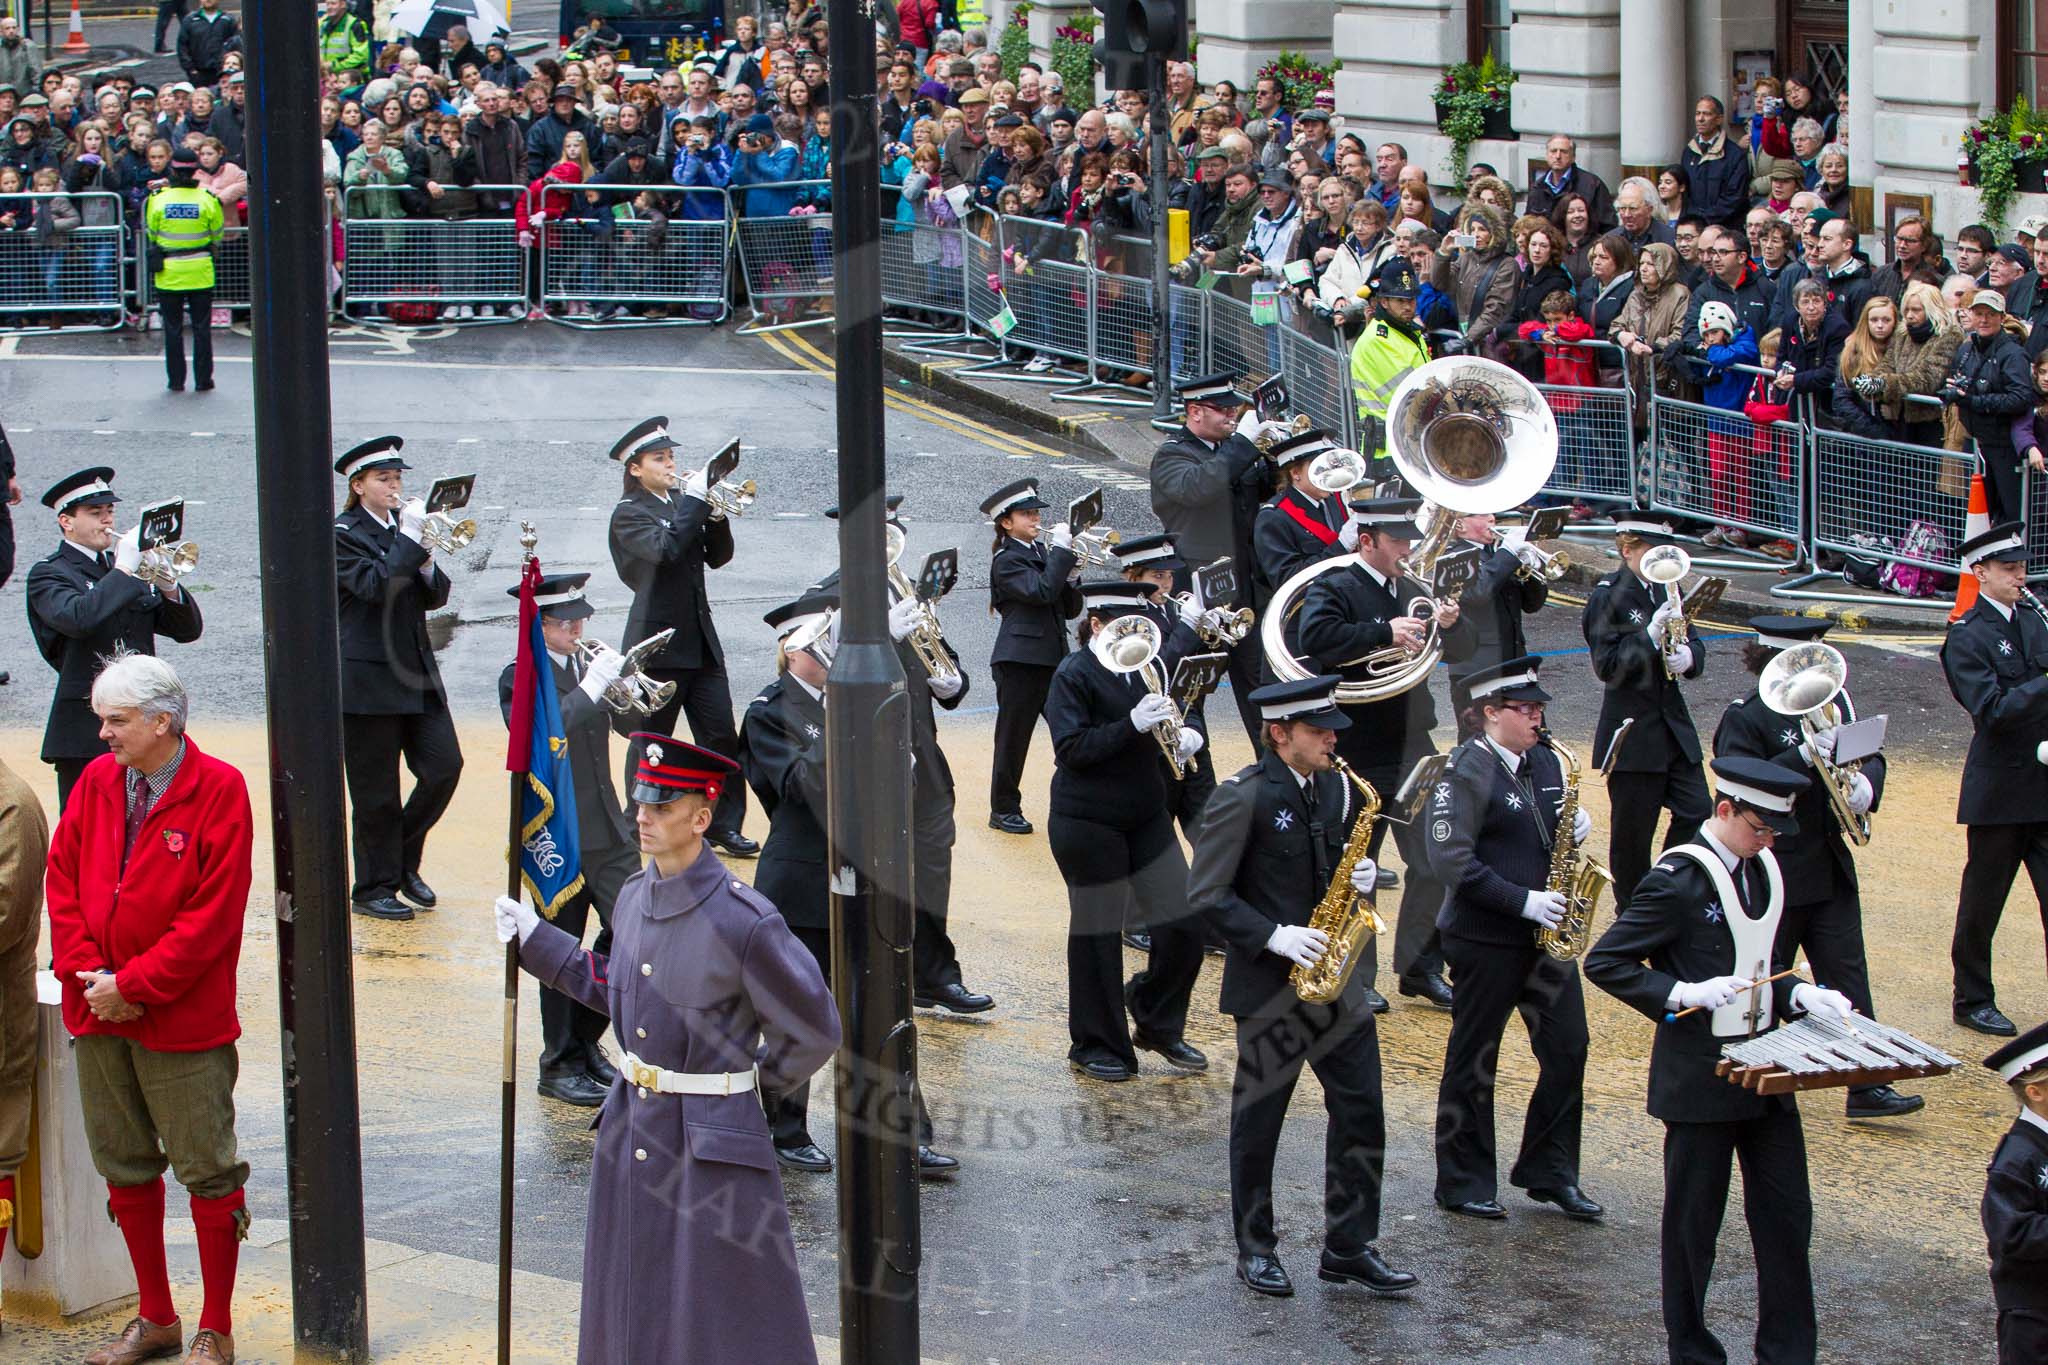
(1975, 524)
(74, 41)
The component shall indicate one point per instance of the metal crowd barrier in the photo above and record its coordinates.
(230, 274)
(1717, 466)
(436, 263)
(654, 253)
(785, 258)
(76, 284)
(924, 271)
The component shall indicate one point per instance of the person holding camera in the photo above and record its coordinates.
(1989, 385)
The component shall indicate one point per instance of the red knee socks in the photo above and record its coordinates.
(139, 1209)
(218, 1223)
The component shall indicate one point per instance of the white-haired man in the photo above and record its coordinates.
(149, 993)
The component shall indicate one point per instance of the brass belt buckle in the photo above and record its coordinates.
(644, 1076)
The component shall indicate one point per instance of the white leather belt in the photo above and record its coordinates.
(665, 1082)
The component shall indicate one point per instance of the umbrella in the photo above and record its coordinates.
(433, 18)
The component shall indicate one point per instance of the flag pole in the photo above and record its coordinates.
(508, 1099)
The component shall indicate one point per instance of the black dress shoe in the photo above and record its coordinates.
(933, 1165)
(1010, 823)
(1264, 1274)
(418, 892)
(1572, 1200)
(1388, 879)
(1430, 986)
(382, 907)
(955, 997)
(5, 677)
(804, 1157)
(1365, 1268)
(1475, 1208)
(1882, 1102)
(733, 842)
(1137, 942)
(1178, 1053)
(1376, 1002)
(599, 1067)
(1987, 1019)
(204, 386)
(574, 1088)
(175, 388)
(1103, 1069)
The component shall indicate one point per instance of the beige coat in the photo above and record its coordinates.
(24, 848)
(1657, 318)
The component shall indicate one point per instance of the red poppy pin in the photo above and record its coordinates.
(174, 840)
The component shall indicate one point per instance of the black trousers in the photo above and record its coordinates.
(2022, 1337)
(1342, 1047)
(1996, 853)
(168, 15)
(789, 1111)
(1186, 798)
(1496, 980)
(1779, 1208)
(68, 770)
(704, 698)
(1418, 949)
(1247, 675)
(934, 960)
(568, 1029)
(1638, 799)
(1020, 701)
(176, 305)
(1104, 866)
(389, 836)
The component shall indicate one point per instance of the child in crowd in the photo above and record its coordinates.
(1566, 365)
(1725, 343)
(1765, 408)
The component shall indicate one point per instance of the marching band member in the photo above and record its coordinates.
(1492, 823)
(784, 754)
(1208, 481)
(1113, 839)
(1031, 588)
(392, 703)
(1500, 595)
(714, 995)
(85, 604)
(1824, 909)
(2015, 1207)
(661, 544)
(1153, 559)
(1302, 524)
(1345, 615)
(1996, 658)
(1626, 625)
(1699, 933)
(1271, 841)
(573, 1066)
(935, 961)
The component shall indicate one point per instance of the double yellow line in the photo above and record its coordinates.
(798, 349)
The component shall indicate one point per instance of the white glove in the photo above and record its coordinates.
(1821, 744)
(903, 618)
(1582, 825)
(1191, 614)
(516, 919)
(1190, 743)
(526, 240)
(1251, 428)
(1152, 708)
(605, 666)
(945, 687)
(1063, 537)
(695, 486)
(412, 519)
(128, 551)
(1861, 795)
(1365, 877)
(1544, 907)
(1529, 555)
(1711, 994)
(1347, 534)
(1679, 659)
(1812, 999)
(1299, 944)
(1660, 624)
(1513, 539)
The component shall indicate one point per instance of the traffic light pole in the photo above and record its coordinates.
(1157, 136)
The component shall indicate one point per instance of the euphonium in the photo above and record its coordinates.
(927, 641)
(1805, 681)
(1667, 564)
(1577, 878)
(1131, 644)
(1347, 917)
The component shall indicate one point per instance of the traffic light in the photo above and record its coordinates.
(1135, 33)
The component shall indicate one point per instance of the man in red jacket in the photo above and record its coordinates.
(149, 993)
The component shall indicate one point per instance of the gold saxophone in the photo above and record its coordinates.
(1578, 879)
(1347, 917)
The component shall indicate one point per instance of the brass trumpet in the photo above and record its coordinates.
(633, 692)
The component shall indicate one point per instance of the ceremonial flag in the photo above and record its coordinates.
(550, 863)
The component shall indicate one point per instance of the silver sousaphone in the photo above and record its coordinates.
(1467, 435)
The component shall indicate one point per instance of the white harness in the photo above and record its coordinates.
(1754, 938)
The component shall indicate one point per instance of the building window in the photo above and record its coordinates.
(1486, 29)
(2023, 43)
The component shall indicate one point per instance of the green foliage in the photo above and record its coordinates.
(1996, 145)
(1465, 95)
(1014, 46)
(1301, 80)
(1073, 56)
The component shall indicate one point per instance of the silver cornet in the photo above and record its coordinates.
(730, 499)
(1093, 544)
(633, 692)
(166, 556)
(443, 532)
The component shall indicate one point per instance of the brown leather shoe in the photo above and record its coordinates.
(141, 1340)
(211, 1348)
